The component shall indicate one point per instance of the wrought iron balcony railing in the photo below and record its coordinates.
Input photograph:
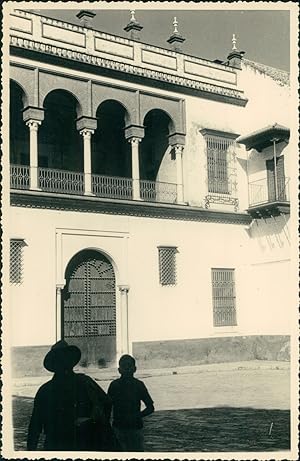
(19, 177)
(158, 191)
(262, 191)
(112, 187)
(61, 181)
(70, 182)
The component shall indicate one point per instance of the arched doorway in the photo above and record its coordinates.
(18, 131)
(89, 307)
(60, 144)
(155, 143)
(111, 154)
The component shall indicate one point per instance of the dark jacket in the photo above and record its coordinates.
(73, 412)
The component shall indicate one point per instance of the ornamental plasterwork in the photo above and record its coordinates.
(113, 38)
(128, 68)
(141, 210)
(63, 25)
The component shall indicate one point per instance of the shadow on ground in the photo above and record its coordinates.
(194, 430)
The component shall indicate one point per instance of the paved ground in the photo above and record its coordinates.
(226, 407)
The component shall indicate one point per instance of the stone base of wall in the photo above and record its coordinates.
(158, 354)
(28, 361)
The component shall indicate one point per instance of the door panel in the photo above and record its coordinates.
(89, 307)
(280, 179)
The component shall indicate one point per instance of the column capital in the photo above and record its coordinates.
(33, 125)
(134, 131)
(33, 113)
(123, 289)
(135, 140)
(86, 132)
(178, 149)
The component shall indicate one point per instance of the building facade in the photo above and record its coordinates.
(149, 199)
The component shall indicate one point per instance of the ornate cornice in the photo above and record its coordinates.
(48, 201)
(207, 90)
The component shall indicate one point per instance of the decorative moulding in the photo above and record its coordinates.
(33, 113)
(220, 133)
(134, 131)
(44, 200)
(207, 90)
(88, 123)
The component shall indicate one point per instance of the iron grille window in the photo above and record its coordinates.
(217, 164)
(223, 291)
(167, 265)
(16, 261)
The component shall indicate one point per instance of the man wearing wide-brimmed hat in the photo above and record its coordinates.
(71, 409)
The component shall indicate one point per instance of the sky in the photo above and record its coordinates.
(263, 34)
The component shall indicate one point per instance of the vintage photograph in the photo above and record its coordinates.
(149, 204)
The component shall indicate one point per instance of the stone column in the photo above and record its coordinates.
(87, 160)
(58, 312)
(135, 168)
(33, 126)
(124, 289)
(33, 117)
(179, 171)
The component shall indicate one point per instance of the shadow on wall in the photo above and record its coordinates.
(219, 429)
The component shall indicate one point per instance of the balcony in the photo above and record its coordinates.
(111, 187)
(267, 199)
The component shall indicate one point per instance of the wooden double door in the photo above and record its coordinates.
(89, 307)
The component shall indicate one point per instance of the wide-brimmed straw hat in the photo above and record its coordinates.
(62, 356)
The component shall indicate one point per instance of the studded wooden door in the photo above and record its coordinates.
(89, 307)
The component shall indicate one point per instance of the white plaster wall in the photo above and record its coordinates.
(268, 102)
(155, 312)
(200, 114)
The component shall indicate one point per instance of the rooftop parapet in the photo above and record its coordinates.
(50, 36)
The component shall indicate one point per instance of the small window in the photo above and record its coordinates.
(223, 292)
(167, 265)
(16, 261)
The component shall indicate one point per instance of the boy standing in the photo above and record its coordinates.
(126, 394)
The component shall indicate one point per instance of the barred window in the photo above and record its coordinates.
(223, 292)
(221, 162)
(16, 261)
(167, 265)
(217, 164)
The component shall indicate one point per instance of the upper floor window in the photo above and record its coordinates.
(223, 292)
(167, 265)
(221, 167)
(16, 261)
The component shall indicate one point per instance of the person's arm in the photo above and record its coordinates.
(101, 402)
(36, 423)
(146, 398)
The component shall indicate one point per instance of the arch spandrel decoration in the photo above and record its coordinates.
(124, 97)
(170, 106)
(24, 78)
(77, 88)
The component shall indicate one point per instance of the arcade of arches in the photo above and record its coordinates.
(68, 150)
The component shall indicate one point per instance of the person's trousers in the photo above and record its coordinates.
(130, 439)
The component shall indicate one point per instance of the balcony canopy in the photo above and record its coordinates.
(263, 138)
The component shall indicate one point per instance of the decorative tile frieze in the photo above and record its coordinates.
(236, 95)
